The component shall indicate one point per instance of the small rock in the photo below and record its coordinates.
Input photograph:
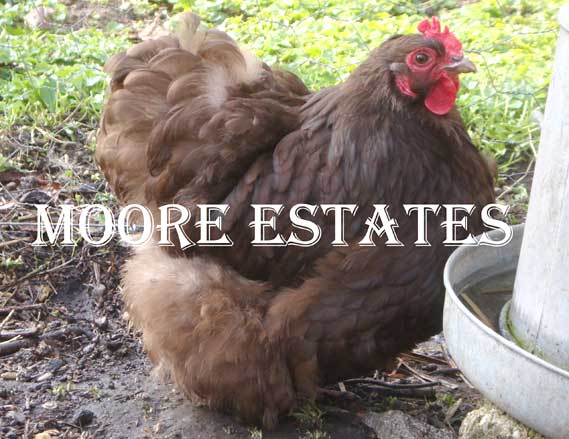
(48, 434)
(102, 323)
(44, 293)
(17, 417)
(83, 417)
(158, 428)
(40, 387)
(55, 364)
(490, 422)
(98, 293)
(114, 345)
(89, 348)
(9, 376)
(44, 377)
(29, 182)
(84, 188)
(395, 424)
(49, 405)
(36, 196)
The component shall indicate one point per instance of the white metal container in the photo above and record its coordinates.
(526, 375)
(539, 315)
(520, 383)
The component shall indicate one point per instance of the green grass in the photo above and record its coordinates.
(47, 74)
(512, 42)
(309, 414)
(53, 78)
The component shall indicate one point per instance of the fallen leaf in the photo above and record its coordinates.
(44, 293)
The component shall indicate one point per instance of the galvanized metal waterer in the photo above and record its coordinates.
(539, 313)
(524, 367)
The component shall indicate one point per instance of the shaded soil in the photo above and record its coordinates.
(65, 346)
(94, 381)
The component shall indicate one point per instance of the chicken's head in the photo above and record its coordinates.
(427, 66)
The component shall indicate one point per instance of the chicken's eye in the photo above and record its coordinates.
(422, 58)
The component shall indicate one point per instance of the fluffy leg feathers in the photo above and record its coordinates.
(204, 325)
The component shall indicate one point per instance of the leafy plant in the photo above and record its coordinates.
(12, 263)
(5, 164)
(46, 75)
(61, 390)
(309, 414)
(322, 41)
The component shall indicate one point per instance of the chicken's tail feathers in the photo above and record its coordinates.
(202, 324)
(189, 32)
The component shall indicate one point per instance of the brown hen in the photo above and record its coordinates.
(195, 119)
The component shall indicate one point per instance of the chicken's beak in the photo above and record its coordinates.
(462, 65)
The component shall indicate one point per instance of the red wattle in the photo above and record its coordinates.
(442, 96)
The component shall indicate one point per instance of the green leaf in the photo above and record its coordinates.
(48, 96)
(5, 164)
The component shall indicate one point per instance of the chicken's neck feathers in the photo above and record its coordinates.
(372, 130)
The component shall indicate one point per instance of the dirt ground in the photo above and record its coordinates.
(71, 367)
(83, 374)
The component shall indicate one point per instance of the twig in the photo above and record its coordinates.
(7, 319)
(11, 346)
(53, 138)
(27, 307)
(446, 371)
(25, 277)
(498, 291)
(75, 330)
(518, 181)
(40, 270)
(479, 313)
(428, 378)
(14, 345)
(452, 411)
(531, 144)
(415, 356)
(420, 393)
(11, 242)
(26, 332)
(455, 366)
(391, 385)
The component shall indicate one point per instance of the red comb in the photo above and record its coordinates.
(432, 29)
